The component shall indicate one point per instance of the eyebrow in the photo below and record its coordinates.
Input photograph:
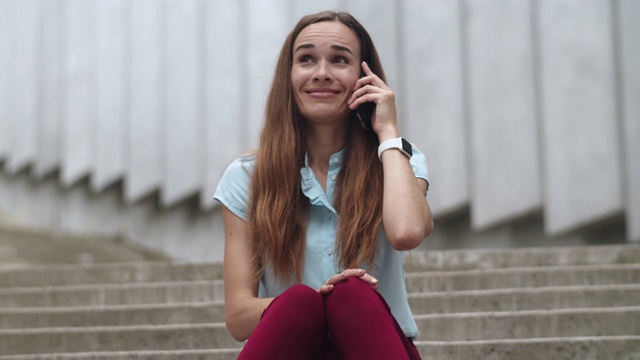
(335, 47)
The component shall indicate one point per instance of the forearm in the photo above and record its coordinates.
(406, 213)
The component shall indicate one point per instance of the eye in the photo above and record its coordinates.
(340, 60)
(305, 59)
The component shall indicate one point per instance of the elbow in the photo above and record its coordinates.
(410, 237)
(428, 228)
(234, 328)
(406, 240)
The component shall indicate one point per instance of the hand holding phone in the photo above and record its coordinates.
(364, 112)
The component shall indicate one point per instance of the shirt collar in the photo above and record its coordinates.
(311, 186)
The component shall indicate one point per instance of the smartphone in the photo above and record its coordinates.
(364, 112)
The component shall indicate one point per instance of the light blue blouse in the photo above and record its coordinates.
(320, 260)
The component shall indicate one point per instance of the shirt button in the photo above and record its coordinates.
(329, 252)
(333, 177)
(328, 215)
(336, 160)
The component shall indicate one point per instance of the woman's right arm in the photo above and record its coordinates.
(243, 307)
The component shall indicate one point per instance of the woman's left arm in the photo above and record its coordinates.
(405, 211)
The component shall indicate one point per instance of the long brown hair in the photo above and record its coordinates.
(277, 214)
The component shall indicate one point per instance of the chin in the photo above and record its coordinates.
(325, 116)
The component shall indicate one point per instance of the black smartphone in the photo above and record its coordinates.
(364, 112)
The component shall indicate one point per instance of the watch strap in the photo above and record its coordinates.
(395, 143)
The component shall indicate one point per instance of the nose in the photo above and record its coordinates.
(323, 72)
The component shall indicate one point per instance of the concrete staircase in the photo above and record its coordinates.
(23, 247)
(548, 303)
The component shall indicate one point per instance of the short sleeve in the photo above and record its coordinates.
(233, 188)
(419, 164)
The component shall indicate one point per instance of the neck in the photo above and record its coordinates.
(322, 142)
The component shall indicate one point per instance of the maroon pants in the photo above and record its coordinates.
(352, 322)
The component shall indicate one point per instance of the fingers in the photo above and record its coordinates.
(369, 78)
(369, 93)
(366, 69)
(369, 88)
(325, 289)
(358, 273)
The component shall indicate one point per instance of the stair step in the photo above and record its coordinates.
(523, 278)
(549, 303)
(109, 274)
(208, 354)
(40, 246)
(530, 324)
(449, 260)
(113, 294)
(446, 261)
(525, 299)
(431, 303)
(450, 327)
(128, 315)
(585, 348)
(115, 338)
(190, 291)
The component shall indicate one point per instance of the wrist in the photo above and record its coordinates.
(395, 143)
(388, 134)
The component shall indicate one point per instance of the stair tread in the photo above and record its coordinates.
(542, 312)
(107, 308)
(153, 309)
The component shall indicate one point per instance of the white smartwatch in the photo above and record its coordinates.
(396, 143)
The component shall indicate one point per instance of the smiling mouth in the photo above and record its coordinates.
(322, 92)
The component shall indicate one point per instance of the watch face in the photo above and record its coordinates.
(406, 146)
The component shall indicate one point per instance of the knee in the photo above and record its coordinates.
(302, 295)
(301, 302)
(352, 293)
(351, 285)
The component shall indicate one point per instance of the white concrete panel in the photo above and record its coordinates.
(24, 119)
(51, 85)
(7, 41)
(33, 203)
(434, 119)
(144, 223)
(30, 202)
(75, 209)
(176, 231)
(379, 18)
(629, 41)
(183, 99)
(11, 191)
(5, 190)
(80, 98)
(225, 67)
(505, 180)
(83, 212)
(112, 91)
(193, 237)
(304, 7)
(144, 157)
(582, 169)
(43, 207)
(267, 25)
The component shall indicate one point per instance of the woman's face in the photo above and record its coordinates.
(326, 66)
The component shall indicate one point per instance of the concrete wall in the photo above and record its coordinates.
(119, 117)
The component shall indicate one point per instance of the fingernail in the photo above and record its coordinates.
(374, 281)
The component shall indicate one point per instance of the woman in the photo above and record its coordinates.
(317, 217)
